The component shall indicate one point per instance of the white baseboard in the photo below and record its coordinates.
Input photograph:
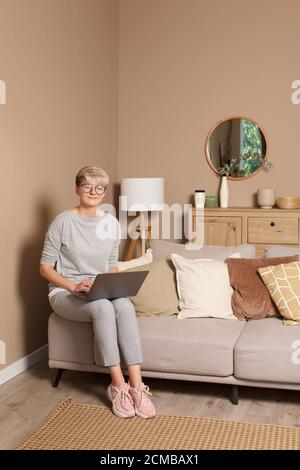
(22, 364)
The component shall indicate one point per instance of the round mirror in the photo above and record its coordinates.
(236, 147)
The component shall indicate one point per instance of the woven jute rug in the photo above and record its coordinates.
(92, 427)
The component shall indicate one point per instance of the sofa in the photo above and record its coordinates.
(258, 353)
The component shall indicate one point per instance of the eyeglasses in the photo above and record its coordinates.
(87, 188)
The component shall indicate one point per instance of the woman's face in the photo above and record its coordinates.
(91, 192)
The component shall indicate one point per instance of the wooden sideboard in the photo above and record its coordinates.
(237, 225)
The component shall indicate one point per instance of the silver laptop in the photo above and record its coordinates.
(116, 285)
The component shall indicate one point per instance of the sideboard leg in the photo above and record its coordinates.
(235, 395)
(57, 378)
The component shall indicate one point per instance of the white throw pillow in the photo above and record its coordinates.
(203, 288)
(147, 258)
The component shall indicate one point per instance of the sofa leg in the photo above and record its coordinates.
(235, 395)
(57, 378)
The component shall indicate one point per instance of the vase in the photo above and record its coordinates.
(224, 196)
(266, 198)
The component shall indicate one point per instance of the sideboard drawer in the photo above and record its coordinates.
(273, 230)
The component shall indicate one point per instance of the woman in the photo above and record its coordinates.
(76, 248)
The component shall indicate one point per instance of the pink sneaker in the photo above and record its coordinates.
(122, 403)
(143, 405)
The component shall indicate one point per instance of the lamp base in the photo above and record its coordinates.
(133, 241)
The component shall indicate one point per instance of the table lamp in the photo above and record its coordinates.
(141, 195)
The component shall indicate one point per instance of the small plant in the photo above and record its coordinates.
(246, 164)
(229, 168)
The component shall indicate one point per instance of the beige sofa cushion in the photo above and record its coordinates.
(283, 283)
(157, 295)
(268, 351)
(201, 346)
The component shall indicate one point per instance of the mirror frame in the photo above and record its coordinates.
(237, 178)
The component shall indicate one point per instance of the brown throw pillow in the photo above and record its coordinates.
(157, 295)
(250, 298)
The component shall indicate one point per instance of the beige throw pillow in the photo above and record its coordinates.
(283, 283)
(157, 295)
(203, 288)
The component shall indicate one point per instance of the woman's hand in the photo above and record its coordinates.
(83, 286)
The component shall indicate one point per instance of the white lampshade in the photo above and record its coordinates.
(142, 194)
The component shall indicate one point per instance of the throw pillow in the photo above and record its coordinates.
(157, 295)
(203, 288)
(147, 258)
(164, 248)
(283, 283)
(250, 298)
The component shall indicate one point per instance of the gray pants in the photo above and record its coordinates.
(114, 322)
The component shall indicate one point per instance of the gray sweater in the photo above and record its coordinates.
(78, 247)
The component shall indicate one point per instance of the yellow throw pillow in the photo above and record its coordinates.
(283, 283)
(157, 295)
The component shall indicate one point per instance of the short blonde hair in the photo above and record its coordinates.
(94, 172)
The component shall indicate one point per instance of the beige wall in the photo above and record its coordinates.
(59, 59)
(183, 66)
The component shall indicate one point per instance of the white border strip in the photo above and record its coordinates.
(22, 364)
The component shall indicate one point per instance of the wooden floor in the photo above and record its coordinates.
(28, 398)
